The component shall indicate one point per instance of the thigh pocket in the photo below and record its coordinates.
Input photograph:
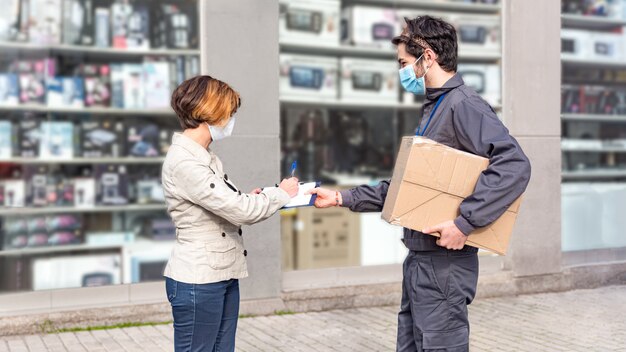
(171, 287)
(446, 339)
(221, 254)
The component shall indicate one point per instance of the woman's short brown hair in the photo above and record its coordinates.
(204, 99)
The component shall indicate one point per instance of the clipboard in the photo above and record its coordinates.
(301, 199)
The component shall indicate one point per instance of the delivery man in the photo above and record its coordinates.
(440, 274)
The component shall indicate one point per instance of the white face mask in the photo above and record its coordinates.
(219, 133)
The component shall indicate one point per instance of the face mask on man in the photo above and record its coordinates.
(219, 133)
(410, 81)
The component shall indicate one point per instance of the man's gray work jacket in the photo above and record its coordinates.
(466, 122)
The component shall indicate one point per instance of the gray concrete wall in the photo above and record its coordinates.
(240, 47)
(531, 92)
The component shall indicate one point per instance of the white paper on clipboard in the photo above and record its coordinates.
(301, 199)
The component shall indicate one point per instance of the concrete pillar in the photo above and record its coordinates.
(531, 93)
(240, 46)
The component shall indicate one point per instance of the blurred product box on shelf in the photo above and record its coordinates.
(157, 85)
(64, 230)
(10, 20)
(309, 77)
(37, 232)
(28, 136)
(73, 16)
(7, 139)
(14, 192)
(593, 100)
(102, 30)
(158, 228)
(32, 75)
(420, 197)
(310, 22)
(145, 139)
(65, 92)
(45, 21)
(9, 89)
(604, 8)
(76, 271)
(138, 28)
(150, 191)
(581, 217)
(40, 231)
(57, 140)
(369, 80)
(607, 46)
(327, 238)
(484, 79)
(381, 243)
(134, 89)
(102, 138)
(575, 44)
(97, 84)
(40, 187)
(15, 233)
(288, 241)
(146, 263)
(109, 238)
(174, 26)
(84, 192)
(112, 184)
(477, 33)
(369, 26)
(121, 12)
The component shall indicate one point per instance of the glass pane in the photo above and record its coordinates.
(84, 125)
(343, 113)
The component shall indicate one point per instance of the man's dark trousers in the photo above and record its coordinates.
(436, 289)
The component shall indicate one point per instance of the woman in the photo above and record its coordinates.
(208, 210)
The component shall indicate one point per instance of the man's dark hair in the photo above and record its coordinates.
(429, 32)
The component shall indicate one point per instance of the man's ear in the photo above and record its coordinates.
(431, 57)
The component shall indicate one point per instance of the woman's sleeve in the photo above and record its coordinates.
(198, 184)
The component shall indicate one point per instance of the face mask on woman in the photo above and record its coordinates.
(219, 133)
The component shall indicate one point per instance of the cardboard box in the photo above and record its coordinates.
(369, 80)
(430, 180)
(310, 21)
(308, 77)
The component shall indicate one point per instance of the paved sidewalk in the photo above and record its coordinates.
(584, 320)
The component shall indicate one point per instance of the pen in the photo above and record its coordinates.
(293, 167)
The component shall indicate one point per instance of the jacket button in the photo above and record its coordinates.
(245, 253)
(239, 192)
(212, 185)
(226, 177)
(240, 232)
(223, 234)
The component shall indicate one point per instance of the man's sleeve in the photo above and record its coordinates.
(366, 199)
(479, 131)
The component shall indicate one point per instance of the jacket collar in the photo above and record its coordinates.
(454, 82)
(191, 146)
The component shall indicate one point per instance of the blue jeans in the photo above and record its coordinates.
(205, 315)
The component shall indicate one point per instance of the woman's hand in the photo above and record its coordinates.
(326, 198)
(290, 185)
(257, 191)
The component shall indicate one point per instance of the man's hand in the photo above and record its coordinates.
(257, 191)
(325, 197)
(451, 236)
